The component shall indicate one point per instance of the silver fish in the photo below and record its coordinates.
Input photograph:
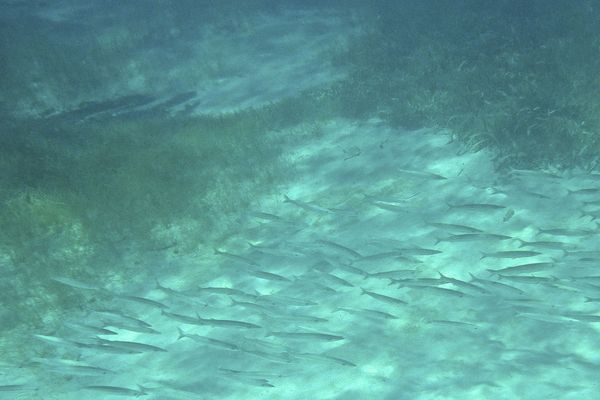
(454, 227)
(523, 268)
(567, 232)
(307, 206)
(226, 323)
(476, 207)
(269, 276)
(306, 336)
(145, 301)
(535, 280)
(383, 298)
(510, 254)
(235, 257)
(341, 248)
(133, 346)
(207, 340)
(74, 283)
(117, 390)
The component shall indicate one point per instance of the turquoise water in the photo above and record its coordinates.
(217, 221)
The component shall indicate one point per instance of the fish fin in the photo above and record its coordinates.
(143, 390)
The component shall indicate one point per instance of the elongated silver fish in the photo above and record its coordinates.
(534, 280)
(117, 390)
(54, 340)
(254, 374)
(446, 322)
(70, 367)
(74, 283)
(395, 207)
(325, 357)
(208, 340)
(468, 237)
(454, 227)
(584, 191)
(336, 279)
(419, 251)
(462, 284)
(227, 291)
(145, 301)
(266, 216)
(120, 316)
(89, 329)
(476, 207)
(497, 287)
(181, 318)
(340, 248)
(282, 300)
(383, 298)
(583, 317)
(269, 276)
(546, 244)
(16, 388)
(416, 282)
(367, 312)
(394, 274)
(226, 323)
(307, 206)
(523, 268)
(510, 254)
(422, 174)
(133, 346)
(566, 232)
(306, 336)
(235, 257)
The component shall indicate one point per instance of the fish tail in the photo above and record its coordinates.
(443, 277)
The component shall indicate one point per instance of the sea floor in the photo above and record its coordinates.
(390, 264)
(373, 279)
